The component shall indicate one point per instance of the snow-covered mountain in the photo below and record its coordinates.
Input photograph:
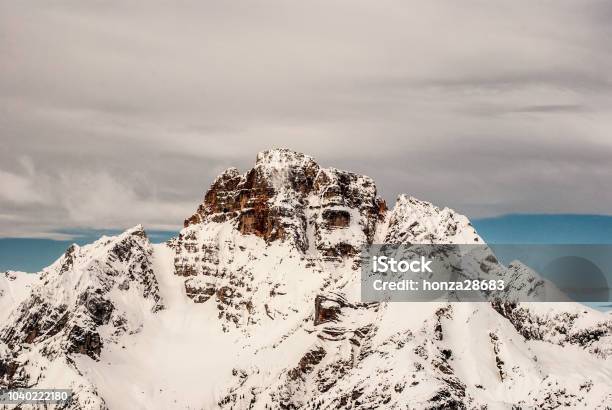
(256, 304)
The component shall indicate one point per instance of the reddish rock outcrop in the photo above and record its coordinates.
(271, 199)
(281, 198)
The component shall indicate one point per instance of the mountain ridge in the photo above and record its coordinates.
(256, 304)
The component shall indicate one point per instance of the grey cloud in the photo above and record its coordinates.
(587, 80)
(552, 108)
(17, 189)
(117, 113)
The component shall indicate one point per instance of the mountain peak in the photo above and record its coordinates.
(415, 221)
(136, 229)
(287, 191)
(287, 196)
(284, 158)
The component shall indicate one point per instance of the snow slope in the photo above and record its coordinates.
(14, 288)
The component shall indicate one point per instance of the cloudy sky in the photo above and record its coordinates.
(117, 113)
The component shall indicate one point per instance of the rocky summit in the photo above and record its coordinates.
(255, 304)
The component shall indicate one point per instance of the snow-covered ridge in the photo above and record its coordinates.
(256, 304)
(415, 221)
(91, 296)
(108, 284)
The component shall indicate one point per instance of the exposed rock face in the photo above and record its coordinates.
(248, 198)
(329, 307)
(336, 218)
(284, 194)
(327, 310)
(199, 290)
(534, 322)
(10, 375)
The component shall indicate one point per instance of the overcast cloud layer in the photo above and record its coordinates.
(117, 113)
